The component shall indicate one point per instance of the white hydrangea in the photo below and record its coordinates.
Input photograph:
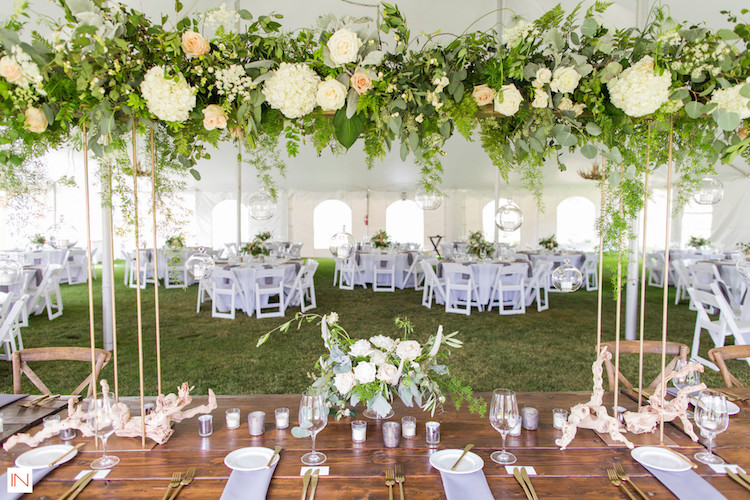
(167, 99)
(638, 91)
(292, 89)
(730, 100)
(18, 68)
(233, 82)
(221, 16)
(518, 32)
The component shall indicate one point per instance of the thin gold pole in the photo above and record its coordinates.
(88, 256)
(643, 270)
(156, 266)
(601, 265)
(112, 280)
(618, 313)
(665, 300)
(138, 284)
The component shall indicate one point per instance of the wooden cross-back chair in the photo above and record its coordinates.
(649, 347)
(21, 357)
(720, 354)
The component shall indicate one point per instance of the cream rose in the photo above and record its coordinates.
(194, 45)
(483, 95)
(565, 80)
(409, 350)
(388, 374)
(544, 75)
(214, 117)
(541, 99)
(360, 82)
(565, 104)
(510, 101)
(360, 348)
(35, 120)
(10, 70)
(383, 342)
(331, 95)
(377, 357)
(344, 382)
(344, 46)
(364, 372)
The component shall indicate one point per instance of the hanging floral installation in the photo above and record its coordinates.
(561, 83)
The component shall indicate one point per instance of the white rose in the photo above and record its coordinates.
(383, 342)
(11, 70)
(579, 107)
(364, 372)
(409, 350)
(344, 382)
(565, 104)
(510, 101)
(35, 120)
(332, 318)
(483, 95)
(541, 99)
(377, 357)
(344, 46)
(360, 348)
(544, 75)
(331, 95)
(565, 80)
(388, 374)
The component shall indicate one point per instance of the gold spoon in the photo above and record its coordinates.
(466, 450)
(275, 452)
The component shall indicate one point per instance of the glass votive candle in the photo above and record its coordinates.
(51, 420)
(67, 434)
(432, 432)
(409, 427)
(530, 418)
(282, 418)
(205, 425)
(233, 418)
(391, 434)
(516, 431)
(559, 416)
(256, 423)
(359, 431)
(1, 423)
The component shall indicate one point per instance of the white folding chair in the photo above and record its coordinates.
(683, 281)
(146, 269)
(655, 268)
(446, 250)
(129, 263)
(352, 274)
(295, 251)
(461, 291)
(537, 286)
(509, 290)
(269, 283)
(205, 289)
(337, 264)
(47, 294)
(433, 286)
(74, 266)
(590, 270)
(10, 331)
(302, 289)
(730, 321)
(706, 305)
(175, 274)
(415, 271)
(224, 283)
(384, 266)
(231, 250)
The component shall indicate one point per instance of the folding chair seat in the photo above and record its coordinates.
(415, 271)
(224, 284)
(461, 291)
(22, 357)
(384, 273)
(269, 283)
(537, 286)
(508, 289)
(352, 274)
(433, 286)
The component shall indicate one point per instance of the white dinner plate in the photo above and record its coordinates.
(40, 458)
(443, 460)
(251, 458)
(732, 408)
(659, 458)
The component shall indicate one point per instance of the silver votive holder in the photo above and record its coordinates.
(51, 420)
(530, 418)
(432, 432)
(282, 418)
(408, 427)
(232, 417)
(359, 431)
(67, 434)
(205, 425)
(391, 434)
(559, 416)
(256, 423)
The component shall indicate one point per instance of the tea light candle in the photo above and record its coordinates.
(559, 416)
(256, 422)
(408, 427)
(516, 431)
(432, 432)
(566, 285)
(359, 431)
(282, 418)
(233, 418)
(530, 418)
(52, 419)
(205, 425)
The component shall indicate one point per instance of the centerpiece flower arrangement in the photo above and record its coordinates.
(255, 248)
(374, 371)
(744, 247)
(479, 246)
(175, 241)
(381, 240)
(698, 242)
(550, 243)
(264, 236)
(38, 240)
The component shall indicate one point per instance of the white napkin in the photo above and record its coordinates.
(463, 486)
(248, 485)
(36, 476)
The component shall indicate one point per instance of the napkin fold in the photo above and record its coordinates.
(462, 486)
(36, 476)
(248, 485)
(686, 484)
(6, 399)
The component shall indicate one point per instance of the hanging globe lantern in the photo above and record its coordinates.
(509, 217)
(743, 267)
(428, 200)
(62, 235)
(10, 271)
(710, 192)
(342, 244)
(567, 278)
(262, 206)
(200, 265)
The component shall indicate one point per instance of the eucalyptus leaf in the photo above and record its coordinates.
(406, 396)
(394, 123)
(563, 136)
(352, 100)
(589, 151)
(589, 27)
(694, 109)
(373, 58)
(727, 120)
(299, 432)
(726, 34)
(196, 175)
(593, 129)
(445, 130)
(679, 94)
(413, 140)
(745, 90)
(404, 150)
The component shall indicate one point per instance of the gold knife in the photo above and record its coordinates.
(743, 476)
(519, 478)
(738, 479)
(35, 401)
(525, 476)
(275, 452)
(76, 485)
(55, 462)
(85, 483)
(466, 450)
(305, 482)
(314, 484)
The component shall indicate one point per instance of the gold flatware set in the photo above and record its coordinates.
(522, 476)
(310, 478)
(393, 476)
(620, 472)
(41, 401)
(178, 482)
(77, 487)
(740, 477)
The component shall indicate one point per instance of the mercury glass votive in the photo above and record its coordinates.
(432, 432)
(256, 422)
(408, 427)
(391, 434)
(559, 416)
(530, 418)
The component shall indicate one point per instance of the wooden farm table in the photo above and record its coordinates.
(357, 470)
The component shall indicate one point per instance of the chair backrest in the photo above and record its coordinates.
(429, 272)
(541, 269)
(457, 273)
(590, 262)
(21, 357)
(720, 354)
(705, 303)
(722, 290)
(295, 250)
(446, 249)
(384, 262)
(231, 249)
(649, 347)
(274, 276)
(224, 279)
(513, 274)
(727, 315)
(308, 271)
(9, 322)
(704, 273)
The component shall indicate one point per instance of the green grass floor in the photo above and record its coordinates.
(548, 351)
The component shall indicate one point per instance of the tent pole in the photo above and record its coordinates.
(631, 284)
(497, 203)
(239, 195)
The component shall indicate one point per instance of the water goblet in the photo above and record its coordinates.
(503, 416)
(100, 419)
(712, 417)
(693, 377)
(313, 417)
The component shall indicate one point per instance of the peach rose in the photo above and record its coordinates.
(214, 117)
(483, 95)
(194, 45)
(360, 82)
(35, 120)
(10, 70)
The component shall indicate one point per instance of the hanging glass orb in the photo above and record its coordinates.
(710, 192)
(509, 217)
(262, 206)
(10, 271)
(62, 235)
(428, 200)
(567, 278)
(743, 267)
(342, 244)
(200, 265)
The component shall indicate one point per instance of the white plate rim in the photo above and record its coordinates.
(636, 452)
(267, 452)
(434, 457)
(732, 407)
(64, 448)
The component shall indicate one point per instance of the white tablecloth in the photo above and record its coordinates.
(484, 274)
(246, 278)
(403, 263)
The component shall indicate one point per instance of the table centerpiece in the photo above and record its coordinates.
(381, 240)
(479, 246)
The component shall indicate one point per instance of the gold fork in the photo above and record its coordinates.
(625, 478)
(390, 480)
(616, 481)
(187, 479)
(172, 484)
(400, 478)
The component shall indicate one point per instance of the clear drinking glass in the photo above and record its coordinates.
(99, 418)
(503, 417)
(693, 377)
(313, 417)
(712, 417)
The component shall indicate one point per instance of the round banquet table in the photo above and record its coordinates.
(245, 275)
(484, 274)
(403, 260)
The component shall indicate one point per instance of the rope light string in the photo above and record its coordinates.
(156, 266)
(88, 256)
(643, 270)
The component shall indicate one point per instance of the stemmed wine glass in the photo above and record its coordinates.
(692, 377)
(313, 417)
(99, 418)
(503, 417)
(712, 417)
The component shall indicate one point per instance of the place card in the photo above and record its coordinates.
(324, 469)
(100, 474)
(529, 469)
(722, 468)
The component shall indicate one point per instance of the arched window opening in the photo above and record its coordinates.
(328, 218)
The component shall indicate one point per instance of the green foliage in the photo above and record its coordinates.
(549, 243)
(698, 242)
